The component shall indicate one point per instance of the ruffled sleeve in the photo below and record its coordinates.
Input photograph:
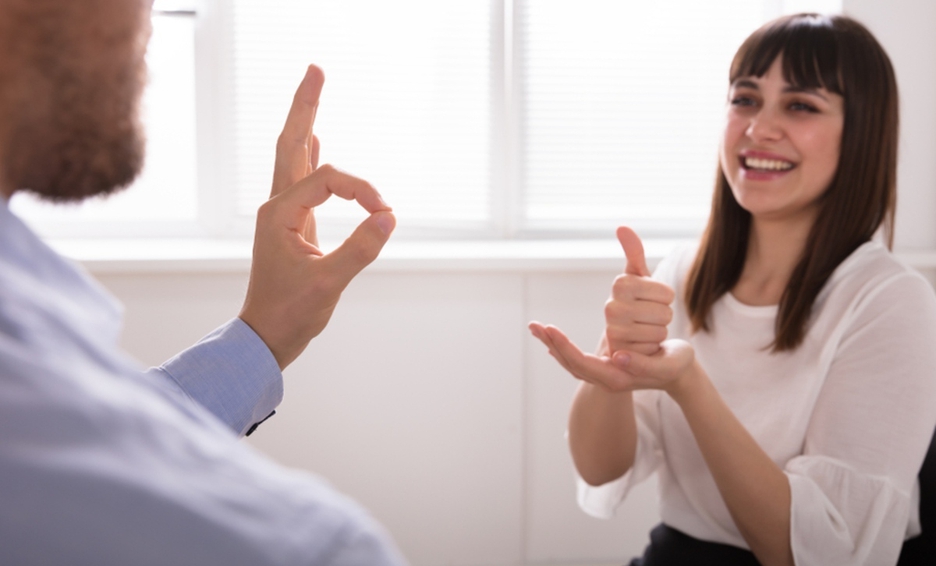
(872, 423)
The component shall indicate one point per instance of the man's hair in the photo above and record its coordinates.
(840, 55)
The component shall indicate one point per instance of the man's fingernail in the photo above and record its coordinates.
(386, 223)
(621, 359)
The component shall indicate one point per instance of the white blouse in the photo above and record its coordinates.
(848, 415)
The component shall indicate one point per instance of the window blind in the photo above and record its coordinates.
(406, 103)
(623, 107)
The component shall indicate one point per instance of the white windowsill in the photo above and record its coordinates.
(192, 255)
(216, 255)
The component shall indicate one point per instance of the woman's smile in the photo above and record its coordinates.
(763, 165)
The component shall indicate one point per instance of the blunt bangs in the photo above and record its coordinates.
(809, 48)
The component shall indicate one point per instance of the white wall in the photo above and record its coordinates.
(426, 399)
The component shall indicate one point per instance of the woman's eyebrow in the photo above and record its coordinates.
(806, 90)
(748, 83)
(745, 83)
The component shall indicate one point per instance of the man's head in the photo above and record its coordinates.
(71, 77)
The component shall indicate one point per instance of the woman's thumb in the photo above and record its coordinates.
(633, 251)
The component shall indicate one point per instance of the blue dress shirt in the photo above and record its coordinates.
(102, 463)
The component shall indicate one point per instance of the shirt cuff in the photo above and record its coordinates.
(232, 373)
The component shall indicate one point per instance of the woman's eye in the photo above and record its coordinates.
(742, 101)
(803, 107)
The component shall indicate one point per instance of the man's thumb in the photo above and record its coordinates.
(362, 246)
(633, 250)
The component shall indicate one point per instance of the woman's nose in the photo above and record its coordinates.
(764, 126)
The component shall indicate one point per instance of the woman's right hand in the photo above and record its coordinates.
(639, 310)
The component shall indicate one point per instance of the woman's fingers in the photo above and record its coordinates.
(638, 311)
(539, 331)
(629, 287)
(638, 325)
(587, 367)
(635, 332)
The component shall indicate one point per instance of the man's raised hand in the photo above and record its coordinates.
(294, 287)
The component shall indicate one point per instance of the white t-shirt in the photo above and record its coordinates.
(848, 415)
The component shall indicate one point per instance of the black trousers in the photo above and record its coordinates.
(669, 547)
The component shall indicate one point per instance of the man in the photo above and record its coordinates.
(101, 463)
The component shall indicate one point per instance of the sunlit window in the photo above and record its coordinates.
(407, 101)
(482, 119)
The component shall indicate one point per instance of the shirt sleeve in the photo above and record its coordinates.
(873, 420)
(230, 372)
(98, 468)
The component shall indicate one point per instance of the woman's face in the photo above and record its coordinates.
(781, 144)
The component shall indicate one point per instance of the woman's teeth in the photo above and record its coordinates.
(766, 164)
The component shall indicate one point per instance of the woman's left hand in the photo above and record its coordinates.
(669, 369)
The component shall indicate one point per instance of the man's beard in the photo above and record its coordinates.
(91, 144)
(81, 135)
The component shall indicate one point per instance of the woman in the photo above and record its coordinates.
(790, 409)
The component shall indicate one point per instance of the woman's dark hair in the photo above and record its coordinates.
(840, 55)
